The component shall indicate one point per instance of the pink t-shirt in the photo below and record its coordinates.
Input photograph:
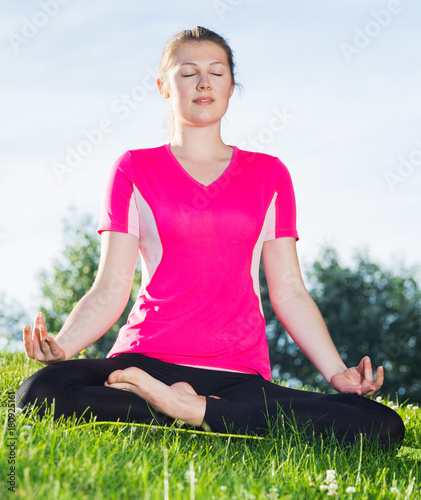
(200, 246)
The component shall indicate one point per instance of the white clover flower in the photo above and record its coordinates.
(330, 476)
(409, 407)
(223, 487)
(351, 489)
(393, 489)
(415, 407)
(379, 399)
(395, 407)
(324, 487)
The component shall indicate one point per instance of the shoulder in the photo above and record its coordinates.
(262, 160)
(134, 157)
(257, 156)
(147, 152)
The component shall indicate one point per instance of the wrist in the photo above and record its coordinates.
(336, 370)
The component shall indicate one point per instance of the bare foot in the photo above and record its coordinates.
(178, 400)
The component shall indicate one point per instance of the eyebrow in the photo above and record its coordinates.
(194, 64)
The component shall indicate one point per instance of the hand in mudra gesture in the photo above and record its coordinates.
(39, 346)
(358, 379)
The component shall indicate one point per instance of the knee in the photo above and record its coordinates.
(37, 388)
(392, 430)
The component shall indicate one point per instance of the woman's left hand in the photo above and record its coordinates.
(359, 379)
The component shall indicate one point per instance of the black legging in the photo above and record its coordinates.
(249, 404)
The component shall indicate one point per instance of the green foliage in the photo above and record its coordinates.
(368, 310)
(73, 275)
(63, 460)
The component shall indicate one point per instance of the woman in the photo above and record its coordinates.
(194, 346)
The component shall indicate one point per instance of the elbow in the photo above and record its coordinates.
(110, 296)
(282, 298)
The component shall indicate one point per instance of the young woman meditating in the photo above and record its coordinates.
(202, 214)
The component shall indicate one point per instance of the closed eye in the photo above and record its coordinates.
(216, 74)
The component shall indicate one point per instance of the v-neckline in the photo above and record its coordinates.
(184, 171)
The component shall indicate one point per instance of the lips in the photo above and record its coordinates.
(204, 99)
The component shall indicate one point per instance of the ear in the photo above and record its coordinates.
(162, 88)
(232, 89)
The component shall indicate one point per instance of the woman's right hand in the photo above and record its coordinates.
(39, 345)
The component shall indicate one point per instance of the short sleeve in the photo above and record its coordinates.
(119, 210)
(282, 210)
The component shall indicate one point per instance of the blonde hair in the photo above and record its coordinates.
(196, 34)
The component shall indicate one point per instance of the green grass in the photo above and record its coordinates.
(63, 460)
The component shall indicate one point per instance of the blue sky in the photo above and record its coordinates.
(343, 75)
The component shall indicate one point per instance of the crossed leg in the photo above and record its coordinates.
(113, 389)
(179, 400)
(347, 414)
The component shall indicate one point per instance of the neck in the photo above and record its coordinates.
(199, 143)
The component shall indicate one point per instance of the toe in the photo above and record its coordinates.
(114, 377)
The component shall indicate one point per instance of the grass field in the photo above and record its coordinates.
(63, 460)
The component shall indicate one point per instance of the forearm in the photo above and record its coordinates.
(302, 319)
(92, 316)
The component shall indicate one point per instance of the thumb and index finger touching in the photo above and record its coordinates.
(368, 383)
(37, 344)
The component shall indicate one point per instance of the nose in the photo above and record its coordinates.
(203, 82)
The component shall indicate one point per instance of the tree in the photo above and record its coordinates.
(73, 275)
(368, 310)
